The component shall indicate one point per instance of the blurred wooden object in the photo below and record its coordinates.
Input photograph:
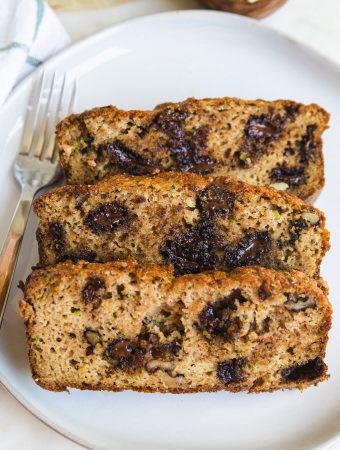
(253, 8)
(71, 5)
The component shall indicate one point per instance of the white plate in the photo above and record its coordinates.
(137, 65)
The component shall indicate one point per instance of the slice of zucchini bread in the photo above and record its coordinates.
(120, 325)
(196, 223)
(258, 142)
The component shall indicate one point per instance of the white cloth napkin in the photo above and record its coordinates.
(30, 32)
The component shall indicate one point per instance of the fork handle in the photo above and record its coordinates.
(7, 263)
(10, 250)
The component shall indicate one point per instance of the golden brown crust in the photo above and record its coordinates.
(184, 181)
(108, 124)
(110, 112)
(194, 291)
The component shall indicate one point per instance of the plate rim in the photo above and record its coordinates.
(98, 36)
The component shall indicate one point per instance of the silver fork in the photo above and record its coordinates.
(35, 167)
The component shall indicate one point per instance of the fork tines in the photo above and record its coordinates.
(49, 102)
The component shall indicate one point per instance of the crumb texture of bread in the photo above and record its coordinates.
(120, 325)
(195, 223)
(262, 143)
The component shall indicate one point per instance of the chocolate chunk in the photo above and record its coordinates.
(259, 132)
(309, 371)
(292, 110)
(186, 148)
(216, 200)
(89, 292)
(295, 228)
(201, 164)
(265, 127)
(194, 250)
(293, 176)
(171, 121)
(200, 248)
(188, 160)
(56, 230)
(107, 217)
(231, 371)
(123, 354)
(126, 159)
(251, 250)
(307, 144)
(299, 224)
(216, 318)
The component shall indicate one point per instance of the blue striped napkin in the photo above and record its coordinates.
(30, 33)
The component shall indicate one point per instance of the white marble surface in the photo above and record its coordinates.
(313, 22)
